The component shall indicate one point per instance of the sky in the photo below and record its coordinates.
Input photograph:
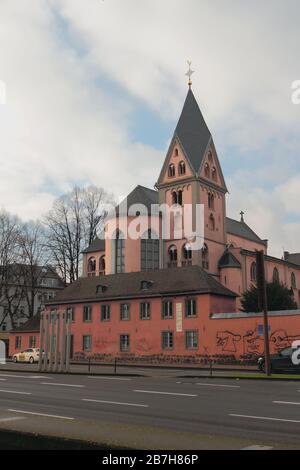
(94, 88)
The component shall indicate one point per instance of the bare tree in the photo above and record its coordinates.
(72, 224)
(11, 289)
(34, 257)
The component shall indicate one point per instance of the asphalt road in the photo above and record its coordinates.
(153, 412)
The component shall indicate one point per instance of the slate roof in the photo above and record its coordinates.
(188, 280)
(241, 229)
(140, 195)
(293, 258)
(193, 132)
(228, 260)
(97, 245)
(32, 325)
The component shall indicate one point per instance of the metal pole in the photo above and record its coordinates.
(63, 342)
(263, 303)
(68, 349)
(115, 365)
(52, 317)
(57, 320)
(41, 341)
(46, 326)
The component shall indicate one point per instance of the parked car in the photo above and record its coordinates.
(30, 355)
(283, 360)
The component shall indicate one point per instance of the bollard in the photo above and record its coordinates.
(211, 369)
(115, 365)
(89, 365)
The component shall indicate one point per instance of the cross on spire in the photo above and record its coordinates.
(189, 73)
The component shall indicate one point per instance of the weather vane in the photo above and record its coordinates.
(190, 73)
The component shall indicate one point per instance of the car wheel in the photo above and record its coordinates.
(15, 359)
(31, 360)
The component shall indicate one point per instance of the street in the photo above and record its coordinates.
(160, 412)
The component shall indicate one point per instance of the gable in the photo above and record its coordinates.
(175, 157)
(210, 169)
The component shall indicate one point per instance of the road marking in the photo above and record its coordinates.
(2, 380)
(40, 414)
(16, 392)
(15, 418)
(107, 378)
(26, 376)
(115, 403)
(166, 393)
(218, 385)
(286, 402)
(257, 447)
(62, 385)
(265, 418)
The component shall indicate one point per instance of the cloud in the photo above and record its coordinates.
(75, 73)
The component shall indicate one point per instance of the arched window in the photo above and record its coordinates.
(179, 198)
(207, 170)
(172, 256)
(120, 252)
(92, 266)
(187, 254)
(181, 168)
(205, 257)
(176, 153)
(275, 275)
(171, 171)
(174, 198)
(102, 265)
(293, 281)
(149, 251)
(210, 157)
(214, 174)
(253, 273)
(211, 223)
(211, 201)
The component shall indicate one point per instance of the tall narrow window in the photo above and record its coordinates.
(124, 343)
(207, 170)
(174, 198)
(253, 273)
(172, 256)
(181, 168)
(171, 171)
(149, 251)
(120, 252)
(92, 266)
(293, 281)
(187, 254)
(275, 275)
(180, 199)
(212, 223)
(211, 201)
(102, 265)
(167, 339)
(167, 309)
(214, 174)
(190, 308)
(205, 257)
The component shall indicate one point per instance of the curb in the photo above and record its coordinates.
(232, 377)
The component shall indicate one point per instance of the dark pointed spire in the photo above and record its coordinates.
(193, 132)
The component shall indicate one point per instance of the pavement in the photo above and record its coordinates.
(152, 412)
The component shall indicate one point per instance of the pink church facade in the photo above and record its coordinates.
(191, 174)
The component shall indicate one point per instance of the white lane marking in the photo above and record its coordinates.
(107, 378)
(3, 380)
(265, 418)
(115, 403)
(40, 414)
(26, 376)
(62, 385)
(218, 385)
(257, 447)
(286, 402)
(15, 418)
(166, 393)
(16, 392)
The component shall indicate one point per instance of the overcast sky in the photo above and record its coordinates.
(94, 89)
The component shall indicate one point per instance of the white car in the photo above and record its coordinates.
(30, 355)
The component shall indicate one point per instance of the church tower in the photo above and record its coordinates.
(192, 174)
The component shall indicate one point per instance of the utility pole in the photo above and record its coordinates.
(263, 304)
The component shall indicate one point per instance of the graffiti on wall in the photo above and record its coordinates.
(252, 341)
